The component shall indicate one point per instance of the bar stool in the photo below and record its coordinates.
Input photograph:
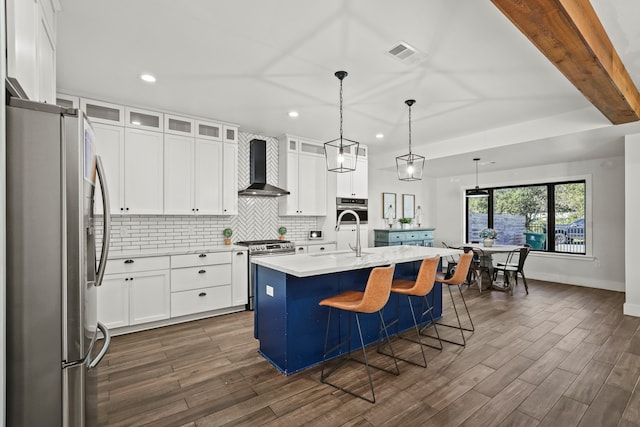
(418, 288)
(464, 262)
(373, 299)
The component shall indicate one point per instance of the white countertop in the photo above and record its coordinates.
(332, 262)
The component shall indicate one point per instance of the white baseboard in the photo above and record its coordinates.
(631, 309)
(588, 282)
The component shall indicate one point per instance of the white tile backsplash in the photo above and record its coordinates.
(257, 217)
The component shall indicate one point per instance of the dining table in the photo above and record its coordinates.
(485, 255)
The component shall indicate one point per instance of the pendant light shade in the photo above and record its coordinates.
(410, 166)
(341, 153)
(477, 192)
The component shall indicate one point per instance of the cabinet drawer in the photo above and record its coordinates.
(205, 276)
(133, 264)
(426, 234)
(205, 258)
(199, 300)
(322, 248)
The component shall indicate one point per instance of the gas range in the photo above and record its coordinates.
(268, 247)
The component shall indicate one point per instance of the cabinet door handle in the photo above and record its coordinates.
(131, 278)
(322, 248)
(126, 279)
(202, 255)
(127, 208)
(202, 271)
(239, 253)
(202, 294)
(128, 261)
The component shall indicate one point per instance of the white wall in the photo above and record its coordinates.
(632, 237)
(383, 180)
(603, 267)
(443, 203)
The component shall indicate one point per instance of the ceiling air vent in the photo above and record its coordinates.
(406, 53)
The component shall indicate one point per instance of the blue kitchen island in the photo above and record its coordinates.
(290, 324)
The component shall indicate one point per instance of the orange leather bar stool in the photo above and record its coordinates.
(418, 288)
(458, 278)
(373, 299)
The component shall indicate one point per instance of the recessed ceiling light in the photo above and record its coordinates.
(293, 114)
(148, 78)
(379, 135)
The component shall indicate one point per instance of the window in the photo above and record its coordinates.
(534, 214)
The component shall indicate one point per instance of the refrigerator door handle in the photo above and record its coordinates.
(105, 346)
(106, 211)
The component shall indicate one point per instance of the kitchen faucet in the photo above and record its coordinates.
(358, 248)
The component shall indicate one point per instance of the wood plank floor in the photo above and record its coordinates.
(560, 356)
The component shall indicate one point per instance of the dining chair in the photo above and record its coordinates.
(479, 267)
(513, 266)
(452, 262)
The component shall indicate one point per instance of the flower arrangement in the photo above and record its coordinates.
(405, 220)
(488, 233)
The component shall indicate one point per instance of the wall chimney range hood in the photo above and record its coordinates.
(258, 173)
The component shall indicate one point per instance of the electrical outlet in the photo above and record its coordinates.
(124, 231)
(192, 230)
(270, 290)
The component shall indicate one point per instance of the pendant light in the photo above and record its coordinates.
(477, 192)
(410, 166)
(336, 150)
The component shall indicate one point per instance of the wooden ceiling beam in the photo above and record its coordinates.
(571, 36)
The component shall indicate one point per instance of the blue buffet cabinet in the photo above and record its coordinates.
(290, 324)
(396, 236)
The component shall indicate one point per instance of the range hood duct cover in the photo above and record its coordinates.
(258, 173)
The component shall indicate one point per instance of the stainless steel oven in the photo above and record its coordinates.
(360, 206)
(262, 248)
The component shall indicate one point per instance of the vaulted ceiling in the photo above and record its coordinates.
(480, 84)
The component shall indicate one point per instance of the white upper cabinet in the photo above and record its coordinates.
(159, 163)
(103, 112)
(230, 133)
(177, 125)
(354, 184)
(303, 172)
(143, 172)
(144, 119)
(179, 157)
(31, 47)
(193, 173)
(208, 130)
(110, 148)
(230, 179)
(67, 101)
(208, 177)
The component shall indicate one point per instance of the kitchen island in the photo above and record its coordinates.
(290, 324)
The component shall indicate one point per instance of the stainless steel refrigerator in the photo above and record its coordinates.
(52, 272)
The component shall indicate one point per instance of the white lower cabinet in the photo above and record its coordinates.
(134, 292)
(141, 290)
(318, 248)
(149, 297)
(200, 282)
(240, 278)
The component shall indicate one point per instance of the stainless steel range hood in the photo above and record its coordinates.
(258, 173)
